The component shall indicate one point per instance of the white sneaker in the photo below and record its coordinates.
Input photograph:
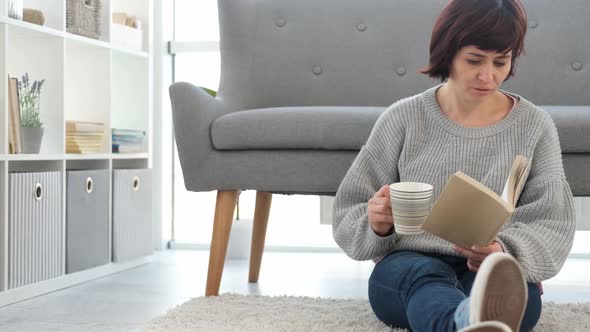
(489, 326)
(499, 292)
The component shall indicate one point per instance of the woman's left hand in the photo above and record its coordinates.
(476, 254)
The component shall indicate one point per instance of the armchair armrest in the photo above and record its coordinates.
(193, 112)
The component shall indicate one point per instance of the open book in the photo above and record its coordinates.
(468, 213)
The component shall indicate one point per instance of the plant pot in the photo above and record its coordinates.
(32, 138)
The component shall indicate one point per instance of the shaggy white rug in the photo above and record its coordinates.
(233, 312)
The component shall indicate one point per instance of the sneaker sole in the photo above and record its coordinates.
(499, 291)
(490, 326)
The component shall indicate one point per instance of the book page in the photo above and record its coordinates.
(505, 192)
(521, 182)
(517, 178)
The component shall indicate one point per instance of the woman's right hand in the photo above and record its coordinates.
(380, 217)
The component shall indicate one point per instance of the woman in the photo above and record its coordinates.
(465, 124)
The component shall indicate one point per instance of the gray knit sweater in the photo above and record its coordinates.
(414, 141)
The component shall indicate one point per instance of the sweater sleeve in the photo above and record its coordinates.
(366, 175)
(541, 230)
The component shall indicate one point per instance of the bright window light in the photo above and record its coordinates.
(196, 20)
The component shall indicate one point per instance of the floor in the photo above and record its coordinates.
(126, 300)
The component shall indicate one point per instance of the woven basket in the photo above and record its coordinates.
(83, 17)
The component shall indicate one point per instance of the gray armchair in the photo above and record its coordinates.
(303, 82)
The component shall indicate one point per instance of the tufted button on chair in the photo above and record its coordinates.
(303, 82)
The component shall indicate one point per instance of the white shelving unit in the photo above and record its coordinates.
(85, 80)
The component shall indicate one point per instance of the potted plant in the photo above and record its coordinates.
(31, 125)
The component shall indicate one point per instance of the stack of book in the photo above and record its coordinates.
(128, 140)
(84, 137)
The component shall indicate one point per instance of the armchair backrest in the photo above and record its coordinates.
(367, 53)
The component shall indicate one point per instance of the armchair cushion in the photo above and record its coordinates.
(347, 128)
(295, 128)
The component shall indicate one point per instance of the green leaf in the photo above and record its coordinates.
(209, 91)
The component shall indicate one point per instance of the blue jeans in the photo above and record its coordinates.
(420, 291)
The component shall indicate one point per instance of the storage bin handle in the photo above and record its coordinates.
(135, 183)
(89, 4)
(89, 185)
(38, 193)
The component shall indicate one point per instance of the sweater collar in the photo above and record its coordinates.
(434, 111)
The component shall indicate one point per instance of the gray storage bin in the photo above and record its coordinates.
(35, 228)
(132, 216)
(87, 219)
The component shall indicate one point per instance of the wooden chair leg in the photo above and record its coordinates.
(224, 215)
(261, 212)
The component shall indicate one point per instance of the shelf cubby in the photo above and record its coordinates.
(87, 82)
(53, 12)
(129, 93)
(41, 56)
(138, 9)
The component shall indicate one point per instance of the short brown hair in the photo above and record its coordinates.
(490, 25)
